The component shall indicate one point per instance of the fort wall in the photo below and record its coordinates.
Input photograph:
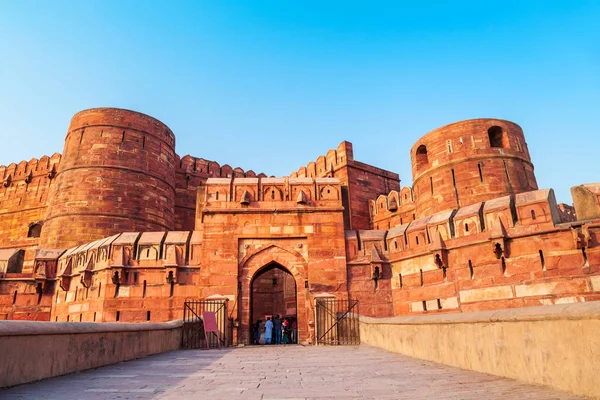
(34, 351)
(24, 193)
(361, 182)
(548, 345)
(192, 173)
(508, 252)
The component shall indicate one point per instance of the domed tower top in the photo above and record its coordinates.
(468, 162)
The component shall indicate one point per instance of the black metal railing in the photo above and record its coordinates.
(337, 322)
(193, 335)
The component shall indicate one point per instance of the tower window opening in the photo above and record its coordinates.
(498, 137)
(466, 227)
(480, 172)
(144, 290)
(34, 231)
(14, 298)
(99, 289)
(431, 184)
(449, 146)
(272, 195)
(421, 277)
(118, 316)
(585, 259)
(421, 156)
(400, 280)
(471, 272)
(395, 245)
(417, 240)
(533, 214)
(148, 316)
(217, 196)
(439, 304)
(172, 290)
(503, 266)
(424, 305)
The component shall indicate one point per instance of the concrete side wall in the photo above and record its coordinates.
(37, 350)
(555, 345)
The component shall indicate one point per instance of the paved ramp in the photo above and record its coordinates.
(278, 372)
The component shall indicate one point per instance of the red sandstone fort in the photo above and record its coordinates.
(121, 228)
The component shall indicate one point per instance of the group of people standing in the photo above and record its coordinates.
(276, 331)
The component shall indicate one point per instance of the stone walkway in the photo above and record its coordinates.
(277, 372)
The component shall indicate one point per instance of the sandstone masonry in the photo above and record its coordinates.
(120, 228)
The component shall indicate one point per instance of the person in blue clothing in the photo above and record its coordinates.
(268, 330)
(277, 329)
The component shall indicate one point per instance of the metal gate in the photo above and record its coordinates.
(337, 322)
(193, 336)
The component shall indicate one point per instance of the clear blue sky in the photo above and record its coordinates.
(270, 85)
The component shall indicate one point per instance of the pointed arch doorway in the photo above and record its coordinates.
(273, 292)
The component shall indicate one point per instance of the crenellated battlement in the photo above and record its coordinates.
(326, 165)
(193, 166)
(393, 209)
(521, 214)
(27, 170)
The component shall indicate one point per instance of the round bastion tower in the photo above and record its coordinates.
(117, 174)
(469, 162)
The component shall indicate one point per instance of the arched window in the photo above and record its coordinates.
(421, 156)
(498, 137)
(34, 230)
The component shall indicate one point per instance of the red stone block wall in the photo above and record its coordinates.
(361, 182)
(393, 209)
(192, 173)
(117, 174)
(239, 241)
(24, 191)
(469, 162)
(533, 261)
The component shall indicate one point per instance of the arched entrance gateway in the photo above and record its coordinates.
(273, 292)
(272, 280)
